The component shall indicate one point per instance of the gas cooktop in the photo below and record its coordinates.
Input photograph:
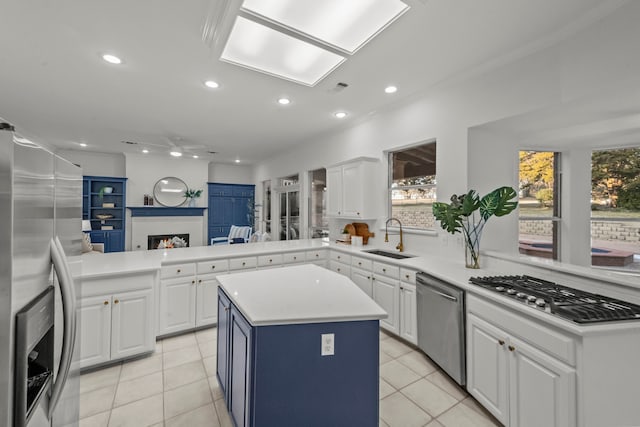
(563, 301)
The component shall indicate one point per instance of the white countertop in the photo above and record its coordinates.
(119, 263)
(298, 294)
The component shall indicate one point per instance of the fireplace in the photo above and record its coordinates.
(166, 241)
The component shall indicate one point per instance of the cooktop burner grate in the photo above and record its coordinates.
(571, 304)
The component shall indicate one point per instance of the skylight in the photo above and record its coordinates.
(305, 40)
(263, 49)
(346, 25)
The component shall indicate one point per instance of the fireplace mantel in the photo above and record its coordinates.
(164, 211)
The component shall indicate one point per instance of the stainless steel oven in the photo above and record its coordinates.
(441, 320)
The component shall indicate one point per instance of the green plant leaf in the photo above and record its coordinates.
(470, 202)
(498, 202)
(449, 216)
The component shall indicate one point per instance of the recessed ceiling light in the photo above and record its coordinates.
(145, 151)
(82, 144)
(195, 156)
(391, 89)
(175, 153)
(237, 160)
(340, 114)
(112, 59)
(211, 84)
(284, 101)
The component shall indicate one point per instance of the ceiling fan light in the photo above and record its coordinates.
(112, 59)
(175, 153)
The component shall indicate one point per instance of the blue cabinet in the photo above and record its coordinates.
(229, 204)
(104, 204)
(275, 375)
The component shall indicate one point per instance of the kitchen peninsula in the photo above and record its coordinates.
(298, 346)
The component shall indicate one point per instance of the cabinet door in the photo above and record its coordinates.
(334, 191)
(239, 368)
(240, 210)
(222, 358)
(206, 308)
(487, 367)
(542, 389)
(177, 305)
(362, 278)
(385, 293)
(352, 190)
(95, 333)
(132, 324)
(220, 211)
(408, 316)
(114, 241)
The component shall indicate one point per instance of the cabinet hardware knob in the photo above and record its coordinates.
(199, 280)
(401, 288)
(384, 270)
(270, 260)
(193, 281)
(338, 256)
(243, 264)
(373, 278)
(179, 270)
(295, 258)
(501, 342)
(226, 309)
(358, 213)
(106, 303)
(213, 267)
(359, 263)
(338, 268)
(512, 348)
(317, 255)
(116, 301)
(407, 276)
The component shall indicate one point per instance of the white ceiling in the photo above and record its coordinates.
(54, 86)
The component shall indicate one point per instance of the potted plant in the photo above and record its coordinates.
(461, 215)
(107, 189)
(191, 196)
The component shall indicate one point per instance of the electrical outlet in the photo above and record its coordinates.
(327, 345)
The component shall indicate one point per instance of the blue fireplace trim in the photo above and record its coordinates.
(164, 211)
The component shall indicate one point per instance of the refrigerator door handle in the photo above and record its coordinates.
(67, 292)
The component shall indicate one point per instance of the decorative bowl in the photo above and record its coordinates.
(104, 216)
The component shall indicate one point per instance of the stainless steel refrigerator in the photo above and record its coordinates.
(40, 244)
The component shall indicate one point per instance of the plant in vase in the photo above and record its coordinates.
(468, 214)
(191, 196)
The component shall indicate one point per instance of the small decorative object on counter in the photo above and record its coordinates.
(146, 199)
(150, 201)
(460, 216)
(191, 196)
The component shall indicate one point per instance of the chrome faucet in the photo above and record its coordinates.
(400, 246)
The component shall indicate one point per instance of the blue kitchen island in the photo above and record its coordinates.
(298, 346)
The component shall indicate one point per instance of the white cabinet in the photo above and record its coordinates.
(346, 189)
(116, 326)
(362, 278)
(318, 257)
(189, 300)
(408, 315)
(386, 292)
(521, 385)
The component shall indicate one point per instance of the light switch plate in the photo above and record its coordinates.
(327, 345)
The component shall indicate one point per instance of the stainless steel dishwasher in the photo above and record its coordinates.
(441, 320)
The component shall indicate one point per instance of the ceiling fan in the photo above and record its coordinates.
(176, 146)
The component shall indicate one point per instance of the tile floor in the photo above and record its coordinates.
(177, 386)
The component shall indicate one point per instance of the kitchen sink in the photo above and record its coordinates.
(394, 255)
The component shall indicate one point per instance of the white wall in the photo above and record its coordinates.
(599, 58)
(230, 174)
(99, 164)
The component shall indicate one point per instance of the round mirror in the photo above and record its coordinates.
(169, 191)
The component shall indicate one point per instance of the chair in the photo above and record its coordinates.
(237, 234)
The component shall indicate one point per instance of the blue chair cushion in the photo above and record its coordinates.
(237, 240)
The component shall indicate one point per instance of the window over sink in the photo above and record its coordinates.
(412, 185)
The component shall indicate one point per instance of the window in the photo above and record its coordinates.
(539, 203)
(412, 185)
(288, 194)
(615, 208)
(318, 222)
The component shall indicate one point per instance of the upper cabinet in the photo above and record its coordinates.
(229, 204)
(103, 203)
(350, 191)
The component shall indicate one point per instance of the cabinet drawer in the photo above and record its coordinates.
(408, 276)
(293, 257)
(363, 263)
(386, 269)
(339, 267)
(341, 257)
(316, 255)
(242, 263)
(544, 338)
(267, 260)
(214, 266)
(177, 270)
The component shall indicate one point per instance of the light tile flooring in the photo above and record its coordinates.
(177, 386)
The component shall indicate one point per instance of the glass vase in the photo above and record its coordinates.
(192, 202)
(472, 247)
